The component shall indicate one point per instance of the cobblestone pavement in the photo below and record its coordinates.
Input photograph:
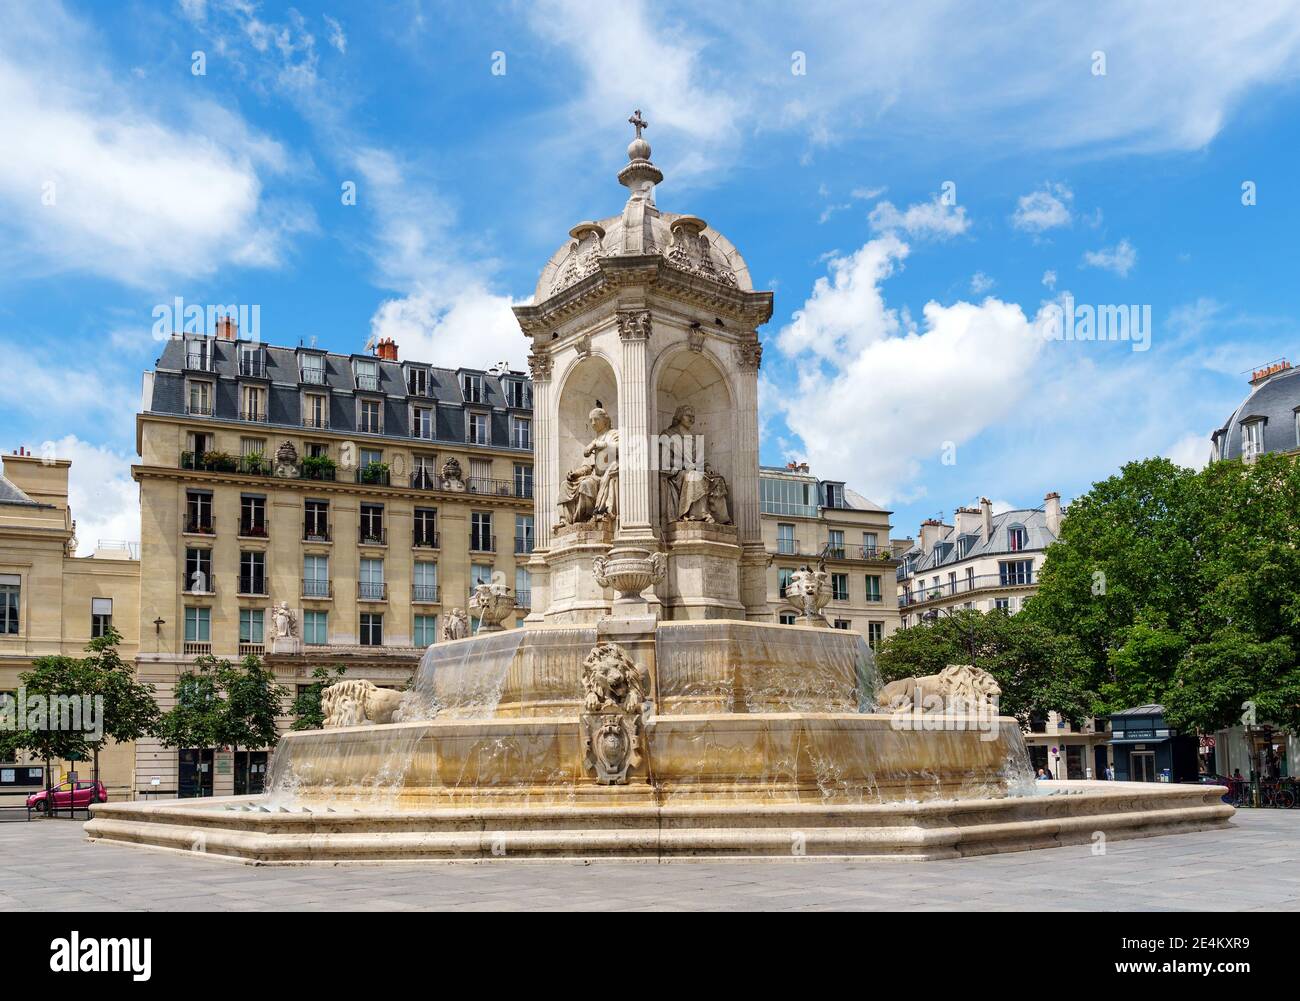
(47, 865)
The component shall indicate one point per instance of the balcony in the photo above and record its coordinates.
(252, 365)
(312, 376)
(253, 530)
(373, 535)
(523, 544)
(524, 598)
(425, 539)
(967, 585)
(368, 590)
(525, 488)
(252, 587)
(200, 584)
(786, 547)
(316, 532)
(424, 593)
(373, 475)
(317, 423)
(317, 467)
(481, 543)
(196, 649)
(199, 409)
(199, 525)
(368, 383)
(252, 649)
(317, 589)
(423, 479)
(485, 485)
(199, 361)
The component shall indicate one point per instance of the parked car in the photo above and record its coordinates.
(66, 796)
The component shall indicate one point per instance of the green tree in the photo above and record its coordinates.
(129, 708)
(1037, 670)
(306, 709)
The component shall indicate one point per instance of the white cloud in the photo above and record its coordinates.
(1118, 259)
(935, 218)
(1191, 450)
(104, 499)
(1049, 278)
(980, 283)
(901, 391)
(337, 37)
(1044, 209)
(94, 179)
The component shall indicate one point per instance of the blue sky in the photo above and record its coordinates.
(916, 183)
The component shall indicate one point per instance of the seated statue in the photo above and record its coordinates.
(687, 490)
(590, 492)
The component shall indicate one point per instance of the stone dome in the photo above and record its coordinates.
(686, 241)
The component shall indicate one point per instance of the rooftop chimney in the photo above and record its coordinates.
(986, 509)
(227, 328)
(1052, 512)
(932, 530)
(1261, 374)
(387, 349)
(967, 521)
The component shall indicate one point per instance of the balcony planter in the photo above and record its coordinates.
(373, 472)
(255, 463)
(220, 462)
(317, 467)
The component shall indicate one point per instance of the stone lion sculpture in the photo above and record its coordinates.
(957, 687)
(611, 681)
(351, 703)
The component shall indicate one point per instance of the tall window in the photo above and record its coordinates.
(251, 626)
(875, 633)
(426, 630)
(254, 403)
(523, 479)
(417, 381)
(784, 538)
(426, 527)
(783, 576)
(523, 533)
(252, 516)
(1012, 572)
(370, 584)
(523, 587)
(1252, 440)
(517, 393)
(252, 361)
(198, 512)
(313, 369)
(369, 416)
(521, 432)
(10, 592)
(198, 625)
(372, 629)
(840, 586)
(252, 573)
(424, 474)
(834, 495)
(200, 397)
(477, 429)
(1017, 538)
(480, 532)
(101, 616)
(198, 354)
(315, 410)
(198, 570)
(316, 521)
(836, 544)
(421, 422)
(315, 576)
(873, 587)
(372, 524)
(479, 573)
(425, 581)
(471, 387)
(315, 631)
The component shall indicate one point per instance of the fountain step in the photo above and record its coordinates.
(1063, 813)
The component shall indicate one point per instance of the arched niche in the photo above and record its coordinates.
(589, 383)
(693, 378)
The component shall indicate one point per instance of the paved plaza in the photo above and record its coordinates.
(47, 865)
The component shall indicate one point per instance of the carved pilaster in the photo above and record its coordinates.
(749, 355)
(540, 365)
(634, 324)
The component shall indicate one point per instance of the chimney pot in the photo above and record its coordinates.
(1052, 513)
(227, 328)
(986, 509)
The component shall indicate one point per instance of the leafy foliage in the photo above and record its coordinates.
(307, 711)
(220, 704)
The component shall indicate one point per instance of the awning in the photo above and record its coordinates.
(1140, 740)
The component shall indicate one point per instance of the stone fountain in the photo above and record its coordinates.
(650, 708)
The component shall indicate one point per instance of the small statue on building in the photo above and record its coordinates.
(452, 478)
(456, 625)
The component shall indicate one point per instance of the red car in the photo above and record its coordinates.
(65, 795)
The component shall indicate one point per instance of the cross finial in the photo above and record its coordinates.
(637, 122)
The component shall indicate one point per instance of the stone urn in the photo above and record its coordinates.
(493, 603)
(629, 571)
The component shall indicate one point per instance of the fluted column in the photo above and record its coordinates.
(634, 460)
(744, 485)
(545, 473)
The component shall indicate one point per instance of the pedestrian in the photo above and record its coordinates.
(1040, 776)
(1047, 774)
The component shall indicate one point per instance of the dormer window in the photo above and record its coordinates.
(200, 398)
(367, 374)
(370, 416)
(471, 387)
(199, 354)
(417, 381)
(422, 422)
(517, 393)
(252, 361)
(476, 429)
(313, 369)
(834, 495)
(1252, 439)
(1017, 538)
